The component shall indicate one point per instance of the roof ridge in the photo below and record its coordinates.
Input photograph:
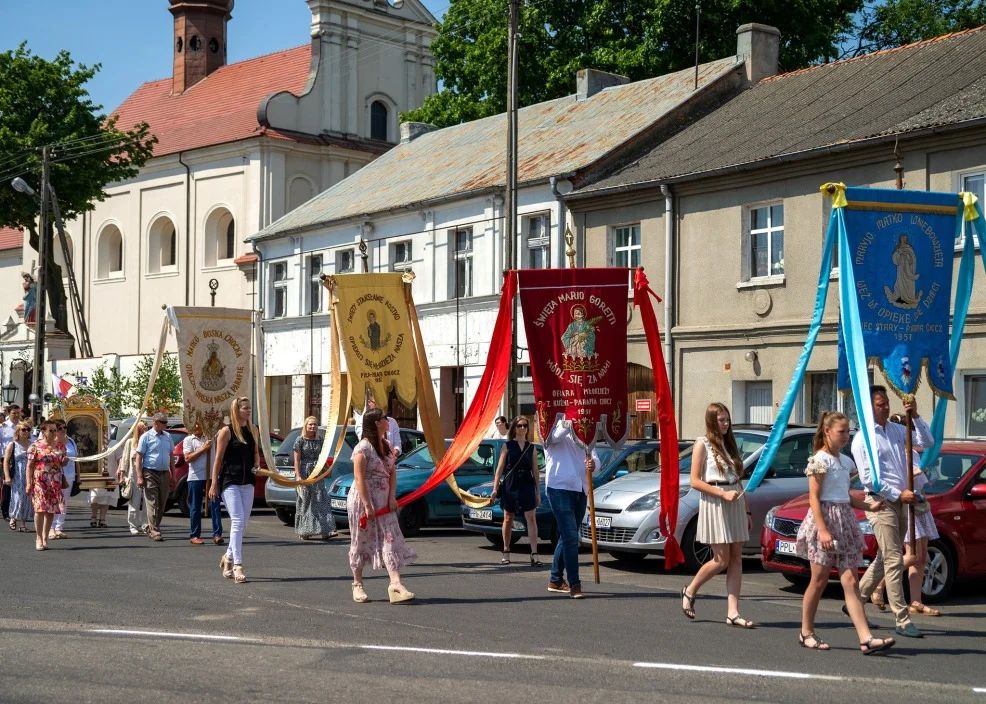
(882, 52)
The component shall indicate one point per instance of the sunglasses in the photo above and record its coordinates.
(521, 425)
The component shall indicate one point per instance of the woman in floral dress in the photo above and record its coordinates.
(313, 510)
(380, 543)
(45, 460)
(15, 474)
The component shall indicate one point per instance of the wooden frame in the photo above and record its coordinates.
(88, 423)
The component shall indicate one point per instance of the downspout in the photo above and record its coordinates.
(668, 264)
(188, 226)
(558, 242)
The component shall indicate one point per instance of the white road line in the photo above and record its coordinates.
(471, 653)
(737, 671)
(979, 690)
(164, 634)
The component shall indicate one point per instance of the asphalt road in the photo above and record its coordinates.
(105, 616)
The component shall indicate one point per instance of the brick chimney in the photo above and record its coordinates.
(758, 46)
(199, 39)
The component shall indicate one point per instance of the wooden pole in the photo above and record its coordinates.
(909, 448)
(592, 520)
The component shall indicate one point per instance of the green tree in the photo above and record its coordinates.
(892, 23)
(635, 38)
(45, 103)
(107, 383)
(166, 394)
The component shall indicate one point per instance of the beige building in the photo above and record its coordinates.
(733, 203)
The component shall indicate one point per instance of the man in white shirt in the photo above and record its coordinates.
(69, 470)
(393, 430)
(568, 490)
(195, 448)
(6, 437)
(890, 522)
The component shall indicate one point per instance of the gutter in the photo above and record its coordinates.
(188, 228)
(557, 242)
(668, 264)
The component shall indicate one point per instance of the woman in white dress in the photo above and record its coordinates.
(126, 474)
(723, 514)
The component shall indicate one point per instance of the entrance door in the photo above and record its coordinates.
(759, 402)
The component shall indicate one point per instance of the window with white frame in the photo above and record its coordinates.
(162, 250)
(975, 405)
(346, 261)
(460, 250)
(400, 256)
(626, 248)
(973, 183)
(766, 241)
(820, 393)
(315, 288)
(537, 235)
(279, 288)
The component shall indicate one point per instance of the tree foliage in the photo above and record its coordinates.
(892, 23)
(45, 102)
(107, 383)
(166, 394)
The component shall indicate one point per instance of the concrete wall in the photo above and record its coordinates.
(11, 290)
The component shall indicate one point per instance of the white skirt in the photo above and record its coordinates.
(722, 521)
(103, 496)
(924, 527)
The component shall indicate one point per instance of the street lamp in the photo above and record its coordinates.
(20, 185)
(9, 392)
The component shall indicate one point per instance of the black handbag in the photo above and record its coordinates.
(76, 489)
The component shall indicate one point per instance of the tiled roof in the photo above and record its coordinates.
(929, 84)
(557, 137)
(10, 239)
(221, 108)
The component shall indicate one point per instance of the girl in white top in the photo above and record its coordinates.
(723, 514)
(830, 537)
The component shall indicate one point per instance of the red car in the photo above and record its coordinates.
(957, 496)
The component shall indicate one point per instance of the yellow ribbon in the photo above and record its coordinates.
(969, 200)
(838, 193)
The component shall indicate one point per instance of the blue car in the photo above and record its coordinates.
(439, 506)
(634, 456)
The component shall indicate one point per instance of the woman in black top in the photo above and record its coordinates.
(237, 454)
(521, 489)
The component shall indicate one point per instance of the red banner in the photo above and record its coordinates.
(576, 326)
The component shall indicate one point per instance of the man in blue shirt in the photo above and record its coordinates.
(155, 462)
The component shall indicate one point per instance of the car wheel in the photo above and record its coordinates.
(411, 519)
(696, 553)
(939, 573)
(286, 515)
(628, 557)
(797, 580)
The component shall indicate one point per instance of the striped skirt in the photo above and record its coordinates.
(721, 521)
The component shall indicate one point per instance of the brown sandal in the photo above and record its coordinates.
(876, 598)
(920, 609)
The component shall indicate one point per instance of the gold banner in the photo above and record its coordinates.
(214, 360)
(375, 332)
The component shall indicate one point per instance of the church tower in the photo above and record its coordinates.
(199, 39)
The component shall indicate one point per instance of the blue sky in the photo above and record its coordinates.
(132, 38)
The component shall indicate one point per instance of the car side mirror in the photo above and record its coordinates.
(622, 473)
(977, 491)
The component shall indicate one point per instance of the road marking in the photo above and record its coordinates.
(979, 690)
(164, 634)
(471, 653)
(737, 671)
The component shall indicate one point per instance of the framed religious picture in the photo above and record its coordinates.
(87, 422)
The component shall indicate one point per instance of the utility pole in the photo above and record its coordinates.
(41, 307)
(510, 224)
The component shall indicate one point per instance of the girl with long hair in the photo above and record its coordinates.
(830, 538)
(126, 474)
(237, 455)
(381, 543)
(716, 471)
(45, 481)
(521, 491)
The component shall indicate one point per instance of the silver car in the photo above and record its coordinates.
(627, 509)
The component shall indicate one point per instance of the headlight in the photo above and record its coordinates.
(647, 502)
(864, 525)
(335, 485)
(683, 490)
(769, 519)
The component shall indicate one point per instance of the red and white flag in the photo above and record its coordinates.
(60, 386)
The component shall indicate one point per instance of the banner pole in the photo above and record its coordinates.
(592, 519)
(909, 448)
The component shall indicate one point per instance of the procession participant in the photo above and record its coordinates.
(196, 447)
(499, 431)
(45, 481)
(830, 537)
(155, 462)
(924, 531)
(521, 490)
(393, 434)
(567, 487)
(716, 471)
(58, 526)
(15, 477)
(14, 416)
(126, 474)
(313, 511)
(381, 543)
(237, 455)
(889, 516)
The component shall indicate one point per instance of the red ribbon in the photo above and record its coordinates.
(665, 419)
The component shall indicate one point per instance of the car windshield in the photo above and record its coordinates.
(944, 473)
(747, 442)
(483, 456)
(285, 447)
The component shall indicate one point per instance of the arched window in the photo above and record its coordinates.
(109, 253)
(59, 255)
(220, 238)
(379, 117)
(162, 246)
(300, 192)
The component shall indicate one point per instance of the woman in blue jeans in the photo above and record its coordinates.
(196, 450)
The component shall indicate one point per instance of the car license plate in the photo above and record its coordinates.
(286, 473)
(601, 521)
(786, 548)
(338, 503)
(481, 515)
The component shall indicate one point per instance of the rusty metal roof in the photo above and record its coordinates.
(557, 137)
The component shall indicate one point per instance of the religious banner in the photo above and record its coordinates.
(375, 331)
(214, 361)
(577, 339)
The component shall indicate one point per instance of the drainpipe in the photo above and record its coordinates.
(188, 226)
(258, 280)
(558, 241)
(668, 263)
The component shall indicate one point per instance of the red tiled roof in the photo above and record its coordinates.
(10, 238)
(248, 258)
(219, 109)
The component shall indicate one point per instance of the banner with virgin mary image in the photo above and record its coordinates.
(577, 339)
